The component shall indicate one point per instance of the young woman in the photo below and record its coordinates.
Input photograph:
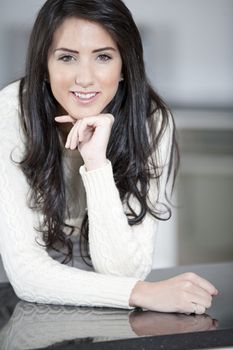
(87, 148)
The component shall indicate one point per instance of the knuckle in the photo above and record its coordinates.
(110, 117)
(190, 276)
(187, 284)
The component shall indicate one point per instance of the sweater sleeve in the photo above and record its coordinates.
(117, 248)
(34, 275)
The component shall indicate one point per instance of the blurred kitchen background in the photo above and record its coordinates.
(189, 59)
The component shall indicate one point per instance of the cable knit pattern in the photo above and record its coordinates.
(120, 254)
(132, 246)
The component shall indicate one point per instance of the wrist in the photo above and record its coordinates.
(95, 164)
(137, 294)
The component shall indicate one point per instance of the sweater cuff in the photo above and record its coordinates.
(99, 183)
(115, 291)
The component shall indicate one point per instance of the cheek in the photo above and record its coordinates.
(59, 84)
(110, 80)
(110, 76)
(57, 78)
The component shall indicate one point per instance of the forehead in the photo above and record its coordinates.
(82, 32)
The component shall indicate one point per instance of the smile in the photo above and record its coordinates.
(85, 97)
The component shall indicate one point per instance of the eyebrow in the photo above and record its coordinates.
(107, 48)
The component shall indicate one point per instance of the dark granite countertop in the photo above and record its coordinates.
(32, 326)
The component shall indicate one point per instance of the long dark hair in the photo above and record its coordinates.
(131, 148)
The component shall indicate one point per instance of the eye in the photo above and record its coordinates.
(104, 57)
(66, 58)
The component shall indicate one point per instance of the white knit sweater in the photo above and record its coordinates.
(121, 254)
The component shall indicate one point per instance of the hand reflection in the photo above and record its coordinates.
(154, 323)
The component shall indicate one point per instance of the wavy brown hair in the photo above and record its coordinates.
(131, 149)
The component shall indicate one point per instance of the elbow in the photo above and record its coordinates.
(27, 288)
(20, 287)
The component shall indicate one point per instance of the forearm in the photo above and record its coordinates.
(34, 275)
(116, 247)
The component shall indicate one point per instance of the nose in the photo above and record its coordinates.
(84, 76)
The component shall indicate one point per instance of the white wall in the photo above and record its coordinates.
(188, 46)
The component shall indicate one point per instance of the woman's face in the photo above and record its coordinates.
(84, 66)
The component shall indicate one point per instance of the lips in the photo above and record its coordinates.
(85, 97)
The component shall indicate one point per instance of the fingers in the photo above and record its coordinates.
(65, 119)
(81, 129)
(190, 307)
(194, 308)
(83, 125)
(198, 292)
(89, 120)
(199, 296)
(77, 133)
(200, 282)
(84, 129)
(73, 137)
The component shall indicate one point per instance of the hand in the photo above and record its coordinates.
(90, 135)
(186, 293)
(154, 323)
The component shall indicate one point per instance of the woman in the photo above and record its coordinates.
(87, 153)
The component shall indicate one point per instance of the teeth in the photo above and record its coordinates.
(85, 96)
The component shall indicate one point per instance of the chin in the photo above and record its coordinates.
(86, 113)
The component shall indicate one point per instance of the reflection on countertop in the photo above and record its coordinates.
(33, 326)
(37, 326)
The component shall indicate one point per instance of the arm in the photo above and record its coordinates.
(116, 248)
(184, 293)
(34, 275)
